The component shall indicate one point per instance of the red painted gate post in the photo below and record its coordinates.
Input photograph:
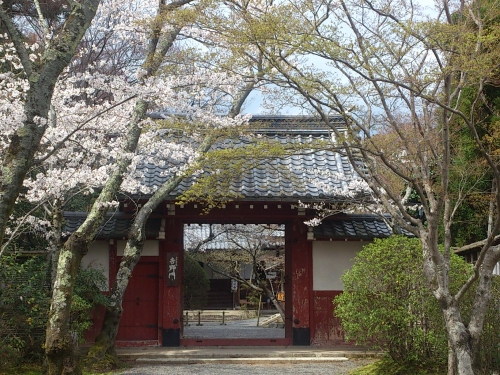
(299, 267)
(172, 289)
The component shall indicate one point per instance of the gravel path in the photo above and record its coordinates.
(310, 368)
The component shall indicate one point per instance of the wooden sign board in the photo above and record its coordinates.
(172, 269)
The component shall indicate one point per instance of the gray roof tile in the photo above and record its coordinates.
(115, 225)
(349, 227)
(283, 178)
(353, 227)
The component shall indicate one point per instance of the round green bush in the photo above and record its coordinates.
(387, 303)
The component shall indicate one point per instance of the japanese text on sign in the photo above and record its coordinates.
(172, 269)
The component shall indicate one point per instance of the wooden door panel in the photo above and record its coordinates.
(326, 327)
(140, 305)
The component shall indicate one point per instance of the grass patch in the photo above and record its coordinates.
(387, 366)
(29, 369)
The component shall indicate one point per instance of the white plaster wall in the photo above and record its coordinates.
(151, 248)
(98, 257)
(330, 260)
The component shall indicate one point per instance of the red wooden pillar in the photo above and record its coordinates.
(299, 280)
(161, 286)
(173, 270)
(113, 263)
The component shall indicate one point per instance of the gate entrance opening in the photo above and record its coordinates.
(234, 283)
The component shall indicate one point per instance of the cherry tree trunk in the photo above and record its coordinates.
(60, 349)
(60, 344)
(105, 342)
(54, 245)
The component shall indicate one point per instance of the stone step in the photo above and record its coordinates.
(268, 354)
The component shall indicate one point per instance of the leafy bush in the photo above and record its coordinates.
(24, 306)
(196, 284)
(25, 303)
(386, 302)
(87, 296)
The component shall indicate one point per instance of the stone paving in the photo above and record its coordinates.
(232, 330)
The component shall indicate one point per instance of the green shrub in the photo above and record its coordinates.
(24, 306)
(386, 302)
(87, 296)
(25, 303)
(196, 284)
(9, 356)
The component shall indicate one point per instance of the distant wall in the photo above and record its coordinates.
(98, 257)
(330, 260)
(151, 248)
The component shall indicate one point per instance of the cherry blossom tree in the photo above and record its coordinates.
(31, 68)
(94, 136)
(249, 71)
(133, 249)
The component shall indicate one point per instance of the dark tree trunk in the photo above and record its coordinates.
(105, 342)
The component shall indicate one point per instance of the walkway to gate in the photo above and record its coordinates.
(235, 329)
(215, 331)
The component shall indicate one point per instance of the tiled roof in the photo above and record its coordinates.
(286, 178)
(293, 124)
(285, 123)
(115, 225)
(355, 227)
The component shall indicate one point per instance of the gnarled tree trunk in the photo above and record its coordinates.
(61, 352)
(105, 342)
(60, 345)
